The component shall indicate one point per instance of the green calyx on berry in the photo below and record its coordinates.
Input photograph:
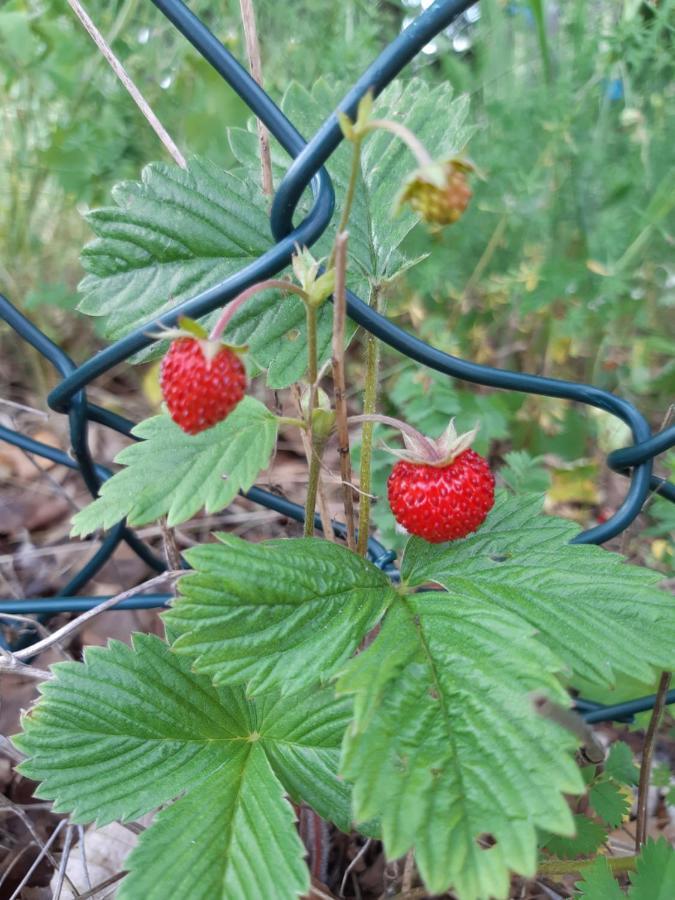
(437, 452)
(189, 328)
(317, 288)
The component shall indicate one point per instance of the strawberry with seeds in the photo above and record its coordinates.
(202, 379)
(441, 489)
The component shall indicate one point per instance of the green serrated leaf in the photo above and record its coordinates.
(176, 474)
(661, 775)
(174, 234)
(144, 729)
(609, 801)
(179, 232)
(568, 592)
(446, 746)
(239, 811)
(599, 883)
(654, 878)
(588, 838)
(619, 764)
(278, 614)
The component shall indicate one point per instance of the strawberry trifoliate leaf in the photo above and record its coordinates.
(597, 613)
(447, 748)
(176, 474)
(132, 728)
(278, 614)
(376, 233)
(589, 837)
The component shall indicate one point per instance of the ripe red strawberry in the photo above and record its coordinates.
(441, 490)
(202, 381)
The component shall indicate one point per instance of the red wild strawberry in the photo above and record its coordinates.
(441, 490)
(202, 381)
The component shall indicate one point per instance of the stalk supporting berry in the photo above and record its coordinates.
(440, 489)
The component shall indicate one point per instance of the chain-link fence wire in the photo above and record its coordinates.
(306, 170)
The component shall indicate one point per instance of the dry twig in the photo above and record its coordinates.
(123, 76)
(77, 623)
(339, 387)
(255, 65)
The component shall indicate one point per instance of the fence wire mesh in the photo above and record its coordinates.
(307, 170)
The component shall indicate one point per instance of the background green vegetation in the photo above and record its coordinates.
(562, 265)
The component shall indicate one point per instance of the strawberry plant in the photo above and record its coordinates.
(430, 714)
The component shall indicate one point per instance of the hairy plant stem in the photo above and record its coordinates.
(412, 142)
(646, 765)
(228, 312)
(369, 404)
(339, 386)
(314, 453)
(354, 173)
(570, 866)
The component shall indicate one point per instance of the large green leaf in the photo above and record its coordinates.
(447, 748)
(279, 614)
(595, 612)
(178, 232)
(130, 729)
(176, 474)
(167, 238)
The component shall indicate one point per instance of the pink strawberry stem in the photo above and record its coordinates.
(412, 142)
(231, 308)
(400, 426)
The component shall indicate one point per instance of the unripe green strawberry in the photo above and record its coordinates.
(202, 381)
(439, 192)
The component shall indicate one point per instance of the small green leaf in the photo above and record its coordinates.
(620, 765)
(609, 802)
(278, 614)
(599, 882)
(447, 748)
(132, 728)
(568, 592)
(661, 775)
(655, 875)
(176, 474)
(588, 838)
